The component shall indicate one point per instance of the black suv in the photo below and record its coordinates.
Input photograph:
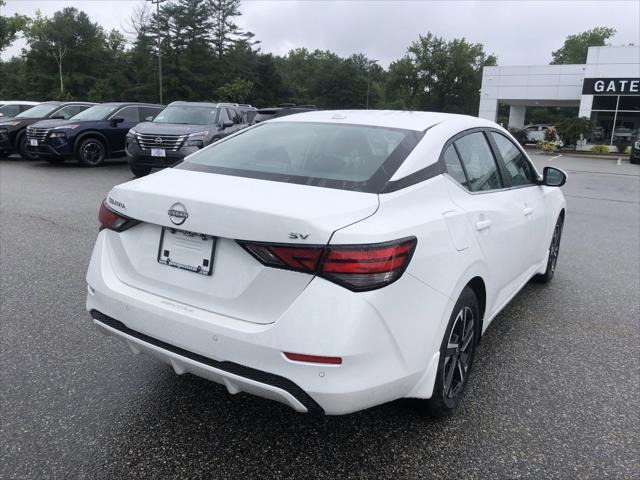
(91, 136)
(13, 130)
(634, 156)
(282, 110)
(179, 130)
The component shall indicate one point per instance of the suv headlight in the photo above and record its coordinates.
(131, 133)
(57, 135)
(64, 127)
(9, 124)
(197, 139)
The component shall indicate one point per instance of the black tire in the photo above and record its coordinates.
(554, 251)
(455, 363)
(140, 170)
(91, 152)
(4, 154)
(22, 148)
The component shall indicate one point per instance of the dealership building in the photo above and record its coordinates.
(606, 89)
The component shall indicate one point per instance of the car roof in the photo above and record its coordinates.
(18, 102)
(197, 104)
(126, 104)
(408, 120)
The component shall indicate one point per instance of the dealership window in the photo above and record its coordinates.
(615, 119)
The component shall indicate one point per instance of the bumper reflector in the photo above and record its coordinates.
(301, 357)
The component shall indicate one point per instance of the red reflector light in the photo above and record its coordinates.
(301, 357)
(356, 267)
(113, 220)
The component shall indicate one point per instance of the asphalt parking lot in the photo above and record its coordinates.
(555, 389)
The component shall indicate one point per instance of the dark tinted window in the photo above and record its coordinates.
(479, 163)
(148, 112)
(628, 102)
(10, 110)
(129, 114)
(604, 102)
(517, 165)
(454, 167)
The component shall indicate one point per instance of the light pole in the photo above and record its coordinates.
(157, 4)
(371, 64)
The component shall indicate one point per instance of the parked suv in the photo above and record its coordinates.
(179, 130)
(282, 110)
(634, 156)
(91, 136)
(13, 130)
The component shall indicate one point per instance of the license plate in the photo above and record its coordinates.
(33, 142)
(187, 250)
(158, 152)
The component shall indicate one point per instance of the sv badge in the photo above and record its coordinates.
(298, 236)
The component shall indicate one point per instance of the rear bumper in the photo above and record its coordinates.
(387, 339)
(234, 376)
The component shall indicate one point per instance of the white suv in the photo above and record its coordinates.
(331, 261)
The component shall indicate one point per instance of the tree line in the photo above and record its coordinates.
(206, 56)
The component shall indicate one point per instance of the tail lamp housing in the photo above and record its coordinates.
(358, 268)
(112, 220)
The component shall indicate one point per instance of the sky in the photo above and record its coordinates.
(517, 32)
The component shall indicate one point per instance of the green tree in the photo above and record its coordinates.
(575, 48)
(226, 33)
(67, 47)
(439, 75)
(236, 91)
(10, 26)
(570, 129)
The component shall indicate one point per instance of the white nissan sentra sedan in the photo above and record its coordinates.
(331, 260)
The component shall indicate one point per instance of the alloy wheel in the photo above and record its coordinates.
(92, 153)
(459, 352)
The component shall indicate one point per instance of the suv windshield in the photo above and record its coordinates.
(188, 115)
(97, 112)
(350, 157)
(39, 111)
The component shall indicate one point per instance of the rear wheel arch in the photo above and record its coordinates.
(480, 290)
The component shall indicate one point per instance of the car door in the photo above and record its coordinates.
(492, 209)
(524, 184)
(116, 133)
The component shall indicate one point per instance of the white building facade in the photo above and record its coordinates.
(606, 89)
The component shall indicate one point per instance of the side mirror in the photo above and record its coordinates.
(115, 121)
(553, 177)
(227, 124)
(149, 118)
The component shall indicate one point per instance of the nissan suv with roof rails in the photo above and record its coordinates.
(11, 108)
(13, 130)
(282, 110)
(91, 136)
(181, 129)
(331, 260)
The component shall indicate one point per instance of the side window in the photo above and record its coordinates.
(518, 166)
(454, 167)
(148, 112)
(233, 115)
(68, 111)
(478, 162)
(129, 114)
(10, 110)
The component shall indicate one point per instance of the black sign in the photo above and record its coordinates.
(611, 86)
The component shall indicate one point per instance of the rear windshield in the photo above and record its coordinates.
(188, 115)
(350, 157)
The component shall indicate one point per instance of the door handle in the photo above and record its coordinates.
(527, 211)
(483, 225)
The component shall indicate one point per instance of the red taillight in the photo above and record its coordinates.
(113, 220)
(356, 267)
(301, 357)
